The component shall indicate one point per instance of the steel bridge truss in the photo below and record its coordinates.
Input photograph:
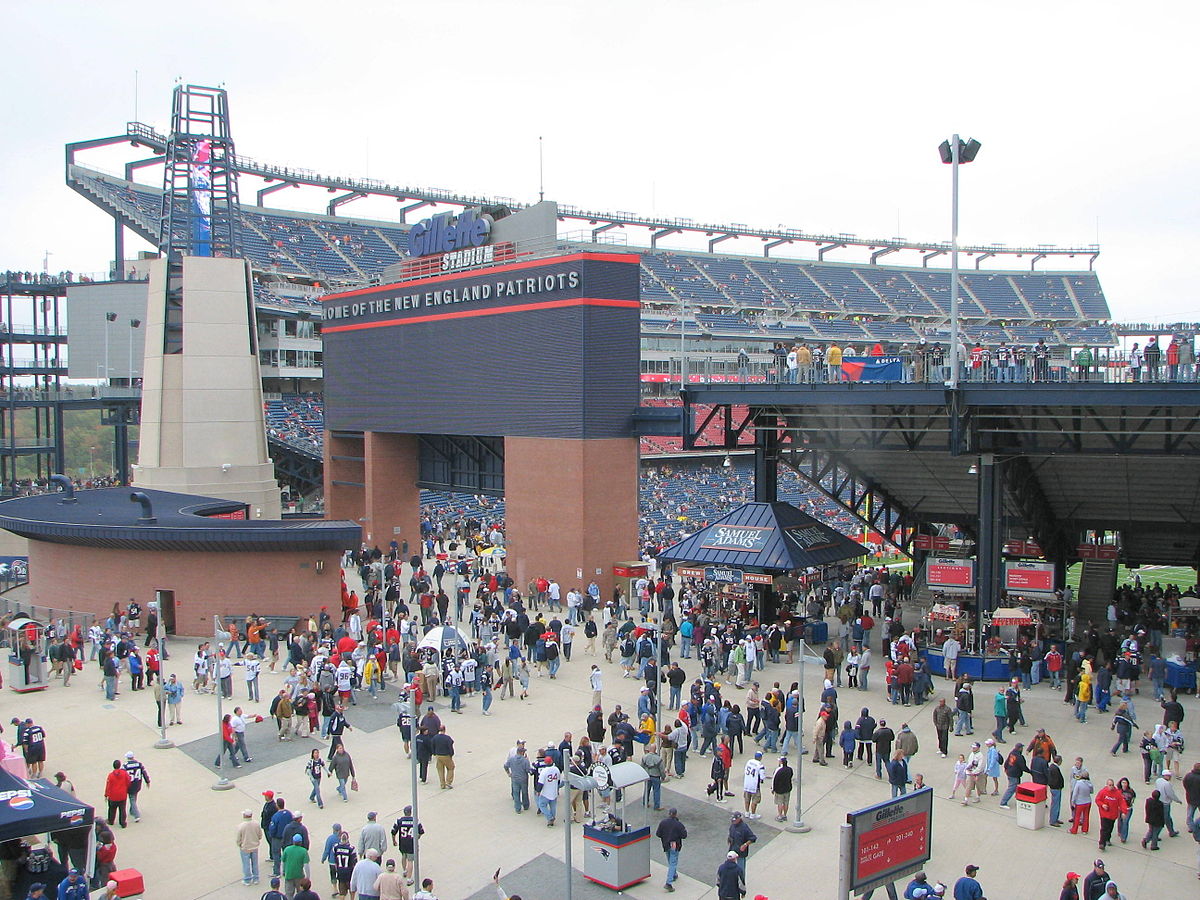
(461, 464)
(826, 471)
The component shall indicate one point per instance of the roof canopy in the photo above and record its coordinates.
(38, 807)
(769, 537)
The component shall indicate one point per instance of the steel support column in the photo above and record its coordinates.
(991, 536)
(766, 463)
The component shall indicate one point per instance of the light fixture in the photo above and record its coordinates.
(974, 470)
(955, 152)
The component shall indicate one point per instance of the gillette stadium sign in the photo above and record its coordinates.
(463, 239)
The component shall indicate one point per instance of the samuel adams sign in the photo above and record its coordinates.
(737, 537)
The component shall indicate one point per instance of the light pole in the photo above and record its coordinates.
(160, 638)
(798, 825)
(412, 771)
(109, 318)
(134, 324)
(223, 783)
(953, 152)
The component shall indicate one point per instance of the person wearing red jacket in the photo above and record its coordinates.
(116, 792)
(1111, 805)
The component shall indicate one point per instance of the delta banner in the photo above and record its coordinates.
(1029, 577)
(950, 573)
(872, 368)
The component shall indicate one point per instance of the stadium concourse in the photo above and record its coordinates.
(185, 840)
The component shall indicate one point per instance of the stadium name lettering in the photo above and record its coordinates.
(512, 287)
(476, 256)
(440, 234)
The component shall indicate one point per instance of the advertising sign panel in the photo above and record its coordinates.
(1029, 577)
(947, 572)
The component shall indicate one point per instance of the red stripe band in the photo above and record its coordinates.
(487, 271)
(496, 311)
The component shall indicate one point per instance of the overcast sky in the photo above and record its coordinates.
(824, 117)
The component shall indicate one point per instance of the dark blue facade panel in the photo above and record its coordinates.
(545, 350)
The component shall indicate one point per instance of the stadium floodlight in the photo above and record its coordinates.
(953, 152)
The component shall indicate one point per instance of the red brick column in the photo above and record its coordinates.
(571, 508)
(392, 496)
(344, 494)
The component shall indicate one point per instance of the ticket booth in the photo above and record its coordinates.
(626, 575)
(616, 841)
(27, 668)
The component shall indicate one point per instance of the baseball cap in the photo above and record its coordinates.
(736, 815)
(38, 886)
(1072, 875)
(732, 854)
(549, 760)
(758, 754)
(129, 754)
(1099, 864)
(297, 838)
(270, 795)
(970, 870)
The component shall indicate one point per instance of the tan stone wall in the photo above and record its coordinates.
(202, 429)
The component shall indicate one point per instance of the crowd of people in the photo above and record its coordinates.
(439, 636)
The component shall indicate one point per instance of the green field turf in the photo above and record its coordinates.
(1180, 576)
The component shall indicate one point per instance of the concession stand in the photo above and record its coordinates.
(738, 556)
(993, 663)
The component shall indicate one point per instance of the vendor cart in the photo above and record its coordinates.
(616, 840)
(26, 655)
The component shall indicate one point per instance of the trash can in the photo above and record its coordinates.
(1031, 805)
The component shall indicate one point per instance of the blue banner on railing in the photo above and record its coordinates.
(872, 368)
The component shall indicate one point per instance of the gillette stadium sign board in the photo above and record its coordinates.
(464, 240)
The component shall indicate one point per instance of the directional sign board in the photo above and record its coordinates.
(889, 840)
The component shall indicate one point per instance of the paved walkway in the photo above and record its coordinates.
(185, 846)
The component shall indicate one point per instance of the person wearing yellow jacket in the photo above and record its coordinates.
(1083, 696)
(833, 359)
(372, 675)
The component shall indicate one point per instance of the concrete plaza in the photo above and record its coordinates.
(184, 844)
